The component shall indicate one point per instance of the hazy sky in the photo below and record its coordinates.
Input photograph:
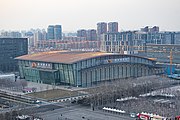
(77, 14)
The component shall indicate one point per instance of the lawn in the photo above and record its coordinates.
(52, 94)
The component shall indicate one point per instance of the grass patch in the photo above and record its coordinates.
(52, 94)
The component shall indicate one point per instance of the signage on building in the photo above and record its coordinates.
(34, 64)
(118, 60)
(41, 65)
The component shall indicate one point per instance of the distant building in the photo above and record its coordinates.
(44, 35)
(74, 38)
(101, 29)
(91, 34)
(69, 43)
(155, 38)
(9, 49)
(11, 34)
(162, 52)
(152, 29)
(50, 32)
(145, 29)
(168, 38)
(82, 33)
(54, 32)
(113, 27)
(15, 35)
(57, 32)
(119, 42)
(177, 38)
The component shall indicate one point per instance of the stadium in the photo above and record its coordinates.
(83, 69)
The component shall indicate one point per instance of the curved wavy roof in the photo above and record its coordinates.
(66, 57)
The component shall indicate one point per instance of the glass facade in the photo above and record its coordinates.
(87, 72)
(11, 48)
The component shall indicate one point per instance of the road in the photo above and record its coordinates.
(77, 112)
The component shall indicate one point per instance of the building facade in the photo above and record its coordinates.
(150, 29)
(9, 49)
(57, 32)
(50, 32)
(82, 33)
(54, 32)
(117, 42)
(83, 69)
(101, 28)
(131, 42)
(177, 38)
(91, 34)
(162, 52)
(113, 27)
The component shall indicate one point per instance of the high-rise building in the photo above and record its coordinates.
(101, 28)
(150, 29)
(155, 38)
(50, 32)
(177, 38)
(54, 32)
(145, 29)
(91, 34)
(44, 35)
(119, 42)
(82, 33)
(168, 38)
(57, 32)
(154, 29)
(113, 27)
(9, 49)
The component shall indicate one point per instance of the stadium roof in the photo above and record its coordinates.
(66, 57)
(61, 56)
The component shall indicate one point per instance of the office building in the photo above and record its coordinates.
(9, 49)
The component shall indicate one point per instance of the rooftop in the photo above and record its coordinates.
(66, 57)
(62, 56)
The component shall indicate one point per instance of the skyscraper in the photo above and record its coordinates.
(91, 34)
(57, 32)
(101, 28)
(81, 33)
(113, 27)
(54, 32)
(50, 32)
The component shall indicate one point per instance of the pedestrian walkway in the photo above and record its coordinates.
(43, 87)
